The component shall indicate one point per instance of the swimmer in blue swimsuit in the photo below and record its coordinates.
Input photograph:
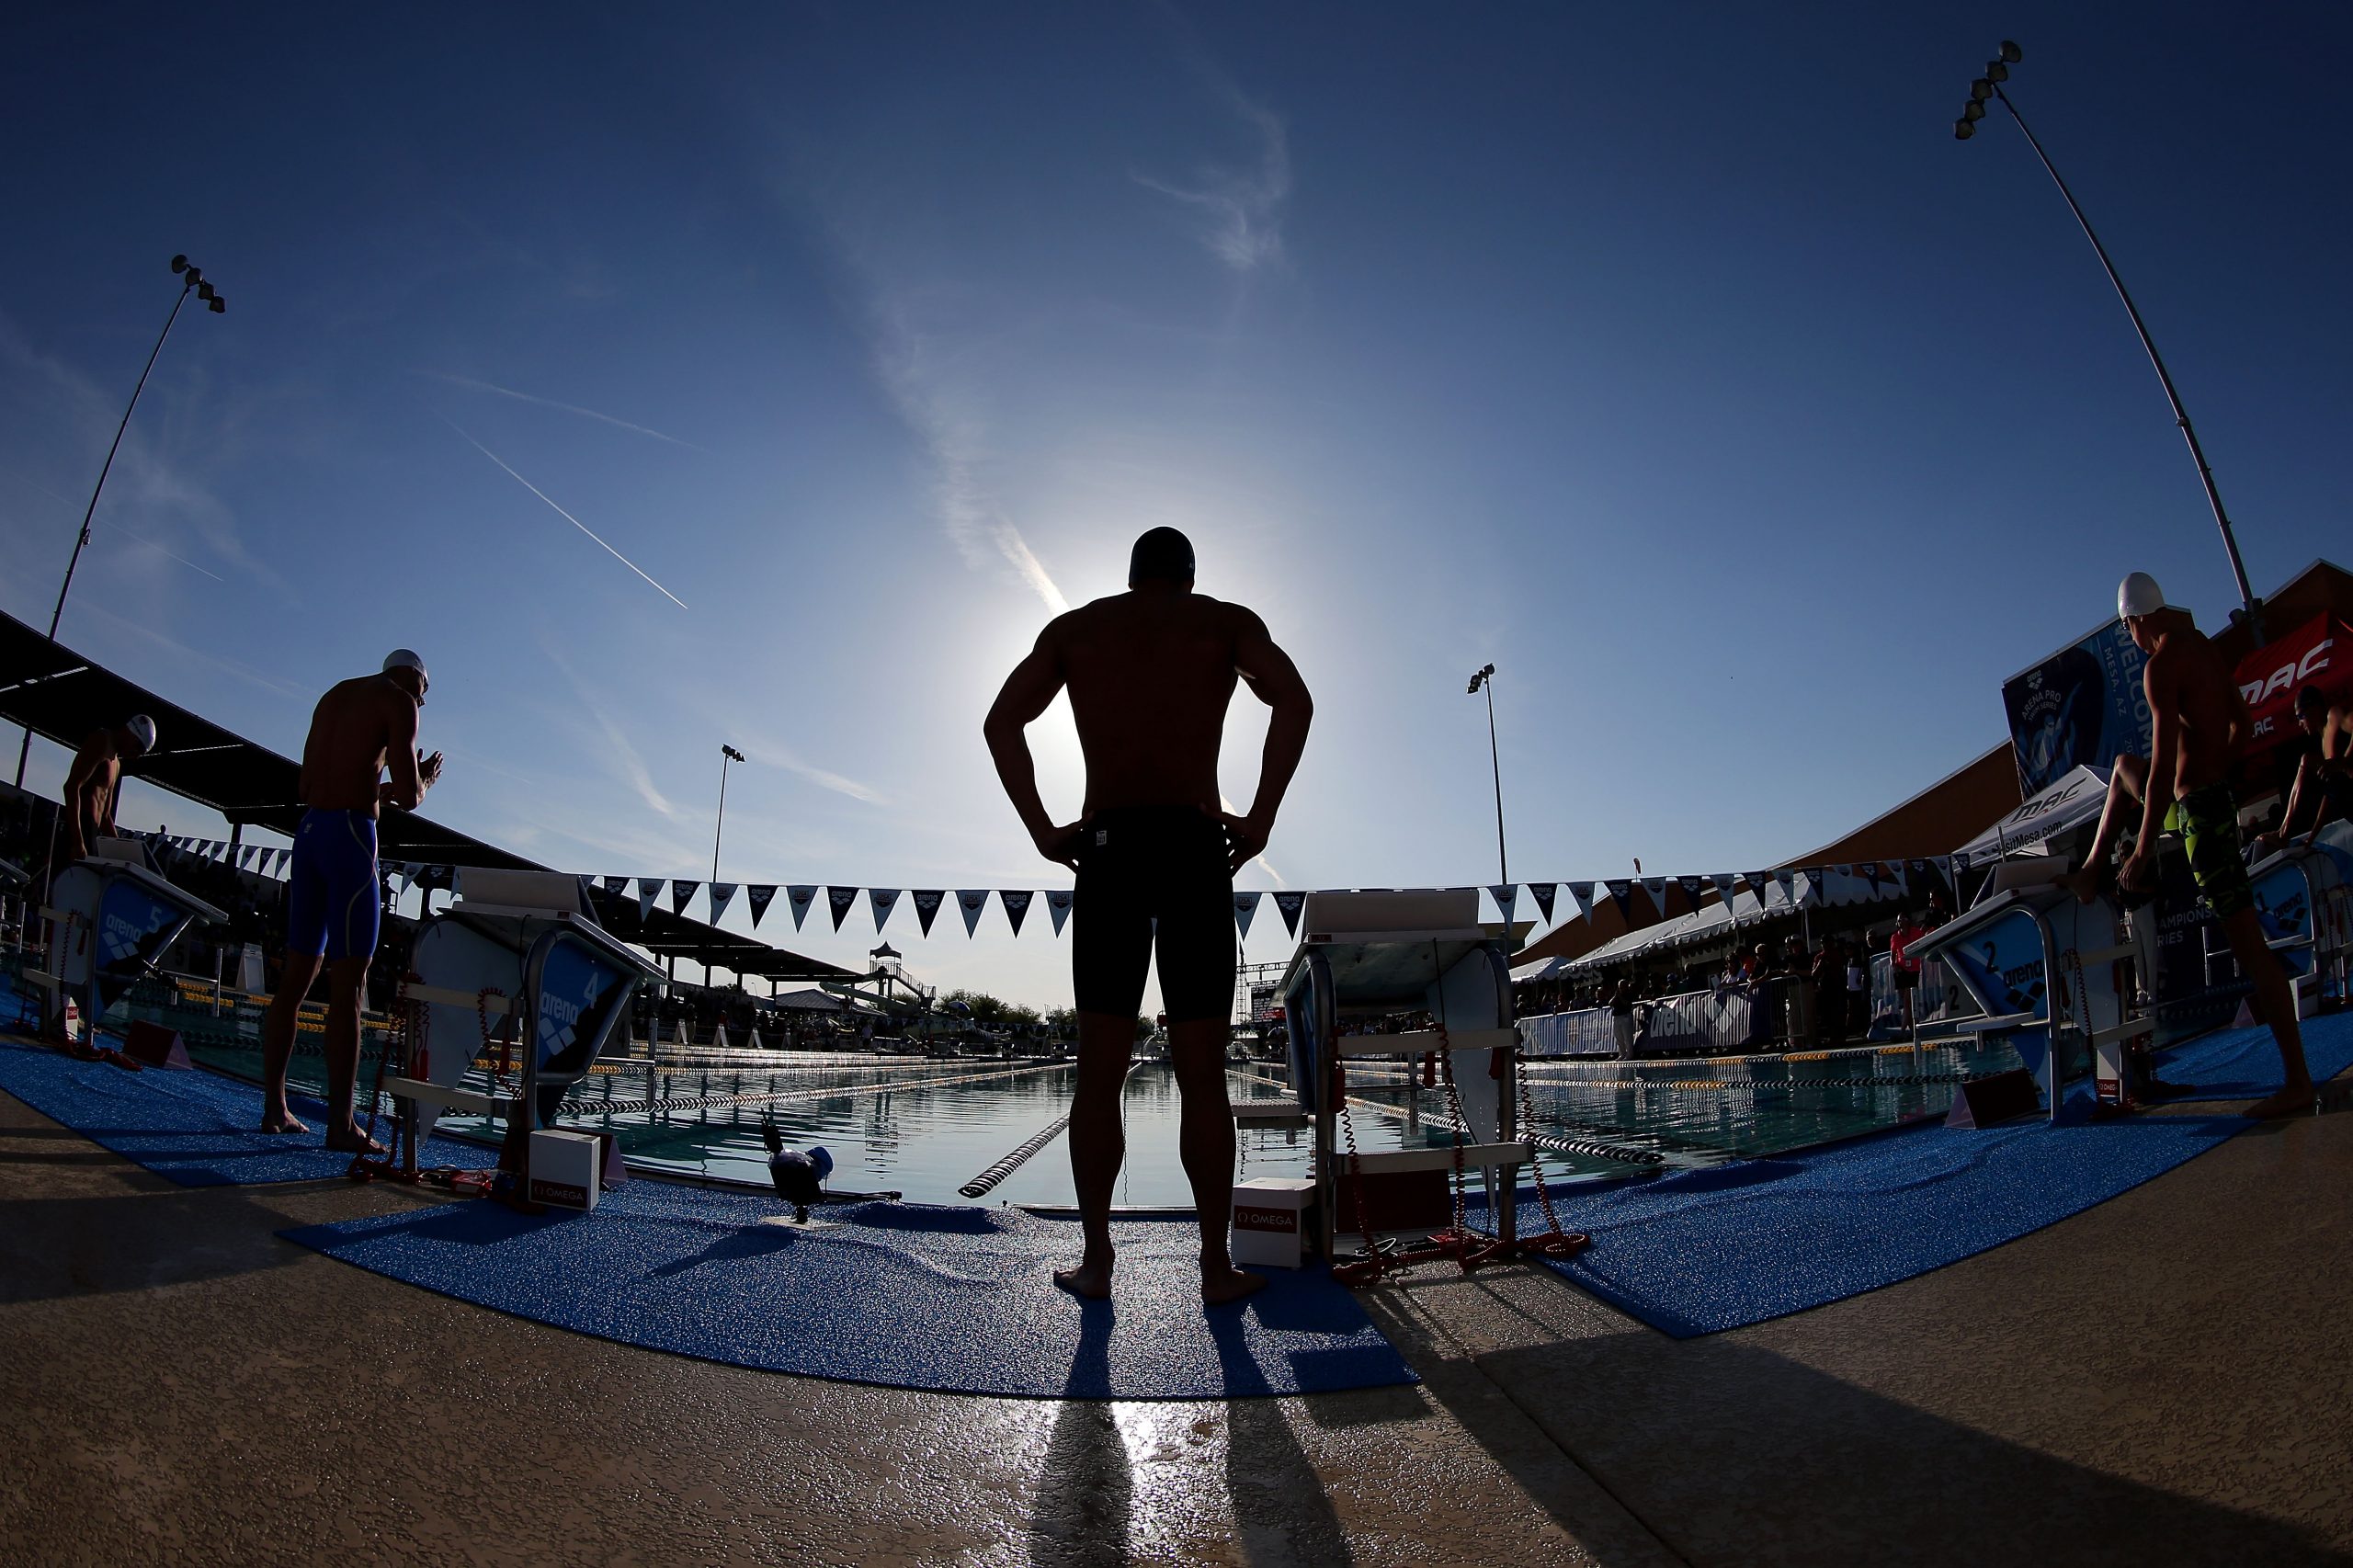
(333, 905)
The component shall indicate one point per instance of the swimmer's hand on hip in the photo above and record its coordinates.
(1245, 838)
(1060, 845)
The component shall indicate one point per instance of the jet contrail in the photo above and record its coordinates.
(567, 407)
(567, 517)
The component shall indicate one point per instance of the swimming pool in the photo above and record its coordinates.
(924, 1127)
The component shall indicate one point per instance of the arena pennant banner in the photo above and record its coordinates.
(1544, 894)
(1245, 907)
(1016, 904)
(839, 901)
(1058, 901)
(1583, 893)
(884, 900)
(1507, 897)
(681, 890)
(617, 886)
(648, 889)
(971, 901)
(927, 902)
(756, 898)
(721, 895)
(1289, 905)
(800, 896)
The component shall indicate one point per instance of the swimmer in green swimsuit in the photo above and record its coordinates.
(2200, 719)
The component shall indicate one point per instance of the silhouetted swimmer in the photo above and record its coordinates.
(332, 913)
(94, 784)
(1150, 673)
(799, 1175)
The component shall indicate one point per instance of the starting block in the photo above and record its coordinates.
(516, 965)
(111, 924)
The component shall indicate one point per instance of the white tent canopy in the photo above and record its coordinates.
(2068, 802)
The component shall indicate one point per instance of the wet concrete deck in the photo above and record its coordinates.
(2168, 1377)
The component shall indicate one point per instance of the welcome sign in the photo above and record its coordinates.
(2083, 706)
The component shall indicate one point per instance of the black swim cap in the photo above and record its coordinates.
(1162, 554)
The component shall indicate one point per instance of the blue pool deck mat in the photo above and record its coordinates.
(189, 1126)
(949, 1300)
(1700, 1252)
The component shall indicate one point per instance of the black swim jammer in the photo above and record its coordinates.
(1136, 864)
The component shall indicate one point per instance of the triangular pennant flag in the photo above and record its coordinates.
(648, 889)
(1016, 904)
(721, 895)
(927, 902)
(1290, 904)
(617, 886)
(1058, 903)
(1583, 893)
(884, 900)
(245, 856)
(1620, 889)
(1724, 881)
(1656, 888)
(1789, 886)
(681, 890)
(587, 888)
(1507, 897)
(1545, 892)
(800, 896)
(839, 900)
(1692, 887)
(1246, 905)
(971, 901)
(756, 898)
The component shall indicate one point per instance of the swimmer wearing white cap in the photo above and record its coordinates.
(361, 728)
(2201, 719)
(94, 784)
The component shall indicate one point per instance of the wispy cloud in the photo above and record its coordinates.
(769, 752)
(469, 382)
(567, 517)
(954, 440)
(1239, 210)
(618, 750)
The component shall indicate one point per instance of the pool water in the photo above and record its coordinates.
(924, 1127)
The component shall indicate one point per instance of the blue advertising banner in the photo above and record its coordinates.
(134, 926)
(2084, 705)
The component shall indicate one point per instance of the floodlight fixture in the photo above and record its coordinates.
(1996, 72)
(1972, 109)
(2011, 52)
(1962, 129)
(1980, 89)
(219, 305)
(179, 264)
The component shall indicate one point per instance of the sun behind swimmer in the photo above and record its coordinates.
(799, 1175)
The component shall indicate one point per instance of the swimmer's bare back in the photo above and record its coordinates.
(358, 727)
(2188, 679)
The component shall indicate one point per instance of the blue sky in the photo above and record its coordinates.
(1677, 360)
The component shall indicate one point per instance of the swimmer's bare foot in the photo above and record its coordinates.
(1091, 1281)
(1222, 1282)
(282, 1121)
(348, 1139)
(2293, 1100)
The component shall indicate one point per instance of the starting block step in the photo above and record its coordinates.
(465, 1102)
(1269, 1113)
(1475, 1156)
(1419, 1042)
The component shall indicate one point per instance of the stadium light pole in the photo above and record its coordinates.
(1484, 680)
(1989, 85)
(727, 753)
(192, 281)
